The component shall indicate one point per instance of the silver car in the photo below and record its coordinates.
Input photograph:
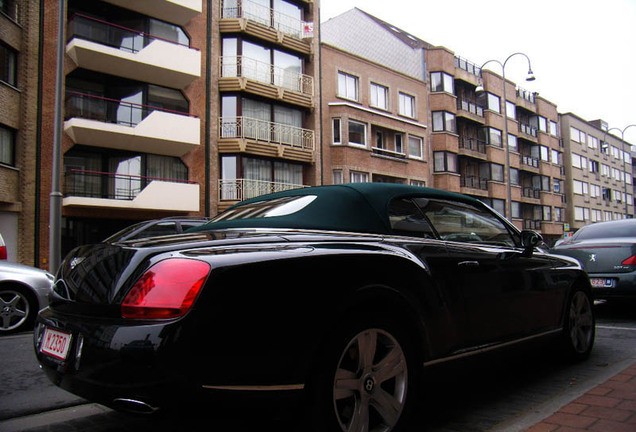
(24, 291)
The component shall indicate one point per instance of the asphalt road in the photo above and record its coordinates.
(503, 392)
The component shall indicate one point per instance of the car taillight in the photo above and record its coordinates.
(630, 261)
(167, 290)
(3, 252)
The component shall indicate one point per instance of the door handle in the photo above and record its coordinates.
(468, 264)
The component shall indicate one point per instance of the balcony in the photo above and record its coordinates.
(265, 23)
(473, 182)
(474, 111)
(260, 137)
(240, 73)
(528, 131)
(125, 191)
(472, 146)
(173, 11)
(109, 48)
(241, 189)
(112, 123)
(529, 162)
(531, 193)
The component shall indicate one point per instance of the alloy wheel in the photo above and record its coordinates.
(369, 391)
(581, 321)
(14, 310)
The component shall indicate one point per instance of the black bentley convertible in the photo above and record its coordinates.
(342, 294)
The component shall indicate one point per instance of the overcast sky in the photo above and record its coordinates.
(583, 52)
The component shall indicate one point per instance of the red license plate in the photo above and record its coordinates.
(56, 343)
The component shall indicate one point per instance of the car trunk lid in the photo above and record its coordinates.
(601, 256)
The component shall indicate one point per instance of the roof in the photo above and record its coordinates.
(352, 207)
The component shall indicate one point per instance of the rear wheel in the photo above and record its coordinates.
(367, 379)
(579, 326)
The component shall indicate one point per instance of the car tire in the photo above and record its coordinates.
(366, 378)
(579, 326)
(17, 310)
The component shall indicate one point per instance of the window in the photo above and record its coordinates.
(581, 214)
(415, 147)
(545, 154)
(514, 176)
(493, 102)
(543, 124)
(597, 215)
(357, 133)
(442, 82)
(491, 136)
(407, 105)
(580, 188)
(605, 170)
(444, 121)
(407, 219)
(347, 86)
(554, 130)
(7, 146)
(557, 157)
(464, 223)
(444, 162)
(511, 110)
(547, 213)
(557, 185)
(579, 161)
(358, 177)
(379, 96)
(8, 65)
(336, 130)
(337, 177)
(399, 145)
(577, 135)
(512, 143)
(592, 142)
(595, 191)
(491, 171)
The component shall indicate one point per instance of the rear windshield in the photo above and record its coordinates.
(605, 231)
(268, 208)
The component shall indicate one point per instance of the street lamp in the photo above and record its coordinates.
(479, 89)
(622, 131)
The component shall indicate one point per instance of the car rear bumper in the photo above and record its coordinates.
(624, 285)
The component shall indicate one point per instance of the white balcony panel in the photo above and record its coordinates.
(159, 133)
(173, 11)
(158, 195)
(160, 62)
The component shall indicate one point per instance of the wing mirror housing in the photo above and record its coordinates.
(529, 240)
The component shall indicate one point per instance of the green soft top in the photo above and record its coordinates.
(351, 207)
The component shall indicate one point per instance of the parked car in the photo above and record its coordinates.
(607, 252)
(24, 291)
(339, 294)
(157, 227)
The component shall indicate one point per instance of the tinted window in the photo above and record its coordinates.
(461, 222)
(605, 231)
(407, 219)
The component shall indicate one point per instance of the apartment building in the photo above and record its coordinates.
(20, 162)
(374, 104)
(464, 148)
(267, 130)
(599, 174)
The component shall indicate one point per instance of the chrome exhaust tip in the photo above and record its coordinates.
(133, 406)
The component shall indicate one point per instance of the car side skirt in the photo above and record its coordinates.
(490, 347)
(259, 388)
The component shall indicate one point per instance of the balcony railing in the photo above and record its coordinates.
(108, 110)
(263, 15)
(526, 94)
(532, 224)
(245, 67)
(530, 161)
(113, 35)
(472, 144)
(473, 182)
(527, 129)
(470, 107)
(467, 66)
(241, 189)
(95, 184)
(266, 131)
(531, 193)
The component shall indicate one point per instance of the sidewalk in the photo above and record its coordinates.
(608, 407)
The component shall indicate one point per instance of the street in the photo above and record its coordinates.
(498, 392)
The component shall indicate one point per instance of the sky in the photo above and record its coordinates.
(583, 53)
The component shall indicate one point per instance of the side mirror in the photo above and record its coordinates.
(529, 240)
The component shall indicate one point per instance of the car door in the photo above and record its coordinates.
(505, 292)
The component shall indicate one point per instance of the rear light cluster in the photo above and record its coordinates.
(630, 261)
(167, 290)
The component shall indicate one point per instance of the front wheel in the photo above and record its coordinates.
(579, 326)
(16, 311)
(367, 379)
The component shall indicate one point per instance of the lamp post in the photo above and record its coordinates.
(479, 88)
(622, 131)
